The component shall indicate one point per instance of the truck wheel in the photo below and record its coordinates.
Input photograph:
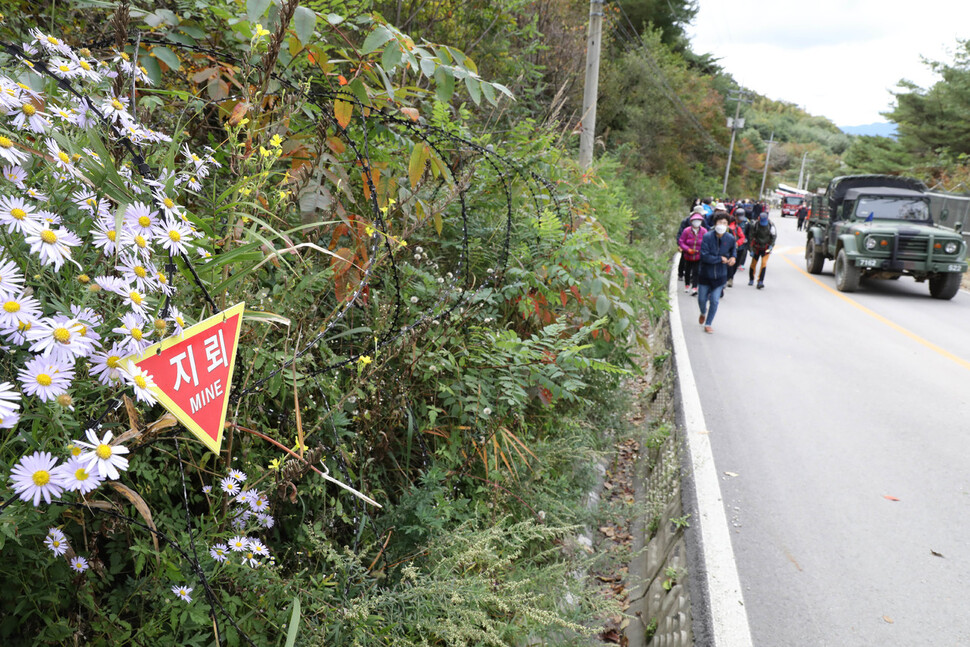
(945, 286)
(846, 274)
(814, 260)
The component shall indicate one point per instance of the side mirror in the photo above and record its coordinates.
(958, 227)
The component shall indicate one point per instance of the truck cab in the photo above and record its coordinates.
(880, 227)
(790, 204)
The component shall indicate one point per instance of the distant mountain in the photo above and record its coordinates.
(880, 129)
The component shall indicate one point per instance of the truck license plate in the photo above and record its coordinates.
(954, 268)
(867, 262)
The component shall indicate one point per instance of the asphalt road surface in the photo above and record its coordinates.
(840, 426)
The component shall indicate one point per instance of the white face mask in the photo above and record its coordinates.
(696, 224)
(721, 228)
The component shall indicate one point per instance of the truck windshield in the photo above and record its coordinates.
(793, 201)
(893, 208)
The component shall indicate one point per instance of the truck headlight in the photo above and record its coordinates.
(871, 243)
(951, 247)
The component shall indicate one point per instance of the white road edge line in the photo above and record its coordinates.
(728, 614)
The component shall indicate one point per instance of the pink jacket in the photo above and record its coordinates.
(690, 243)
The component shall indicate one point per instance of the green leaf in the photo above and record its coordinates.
(474, 89)
(167, 56)
(151, 68)
(255, 9)
(602, 305)
(444, 84)
(304, 22)
(294, 623)
(376, 38)
(489, 91)
(391, 56)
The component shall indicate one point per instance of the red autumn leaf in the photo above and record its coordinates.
(891, 498)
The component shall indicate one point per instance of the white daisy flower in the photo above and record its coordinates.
(10, 152)
(56, 542)
(17, 309)
(52, 245)
(241, 518)
(104, 236)
(258, 547)
(245, 497)
(229, 485)
(167, 288)
(64, 114)
(192, 182)
(11, 278)
(134, 243)
(113, 284)
(206, 489)
(45, 377)
(237, 475)
(86, 69)
(9, 399)
(115, 110)
(16, 175)
(108, 458)
(249, 559)
(172, 235)
(34, 478)
(219, 552)
(34, 194)
(62, 159)
(50, 43)
(89, 320)
(78, 564)
(106, 365)
(182, 592)
(63, 340)
(259, 503)
(48, 217)
(16, 333)
(10, 420)
(238, 543)
(140, 273)
(136, 301)
(77, 476)
(63, 68)
(133, 331)
(141, 381)
(84, 115)
(266, 520)
(18, 216)
(26, 116)
(168, 205)
(176, 318)
(140, 218)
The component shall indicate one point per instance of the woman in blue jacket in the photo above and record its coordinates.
(718, 252)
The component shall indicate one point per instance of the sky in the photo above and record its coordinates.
(839, 59)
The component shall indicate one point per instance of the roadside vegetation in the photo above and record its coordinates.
(442, 308)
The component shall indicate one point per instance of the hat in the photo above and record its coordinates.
(696, 216)
(720, 207)
(698, 209)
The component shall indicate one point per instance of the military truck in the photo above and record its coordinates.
(880, 227)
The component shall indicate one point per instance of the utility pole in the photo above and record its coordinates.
(739, 96)
(764, 176)
(801, 172)
(590, 89)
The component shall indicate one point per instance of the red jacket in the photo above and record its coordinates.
(738, 233)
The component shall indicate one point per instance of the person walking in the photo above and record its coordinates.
(690, 248)
(718, 254)
(740, 239)
(743, 222)
(801, 214)
(684, 224)
(761, 235)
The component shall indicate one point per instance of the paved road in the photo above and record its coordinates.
(820, 405)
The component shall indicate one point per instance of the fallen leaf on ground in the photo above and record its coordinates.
(935, 554)
(888, 619)
(891, 498)
(732, 474)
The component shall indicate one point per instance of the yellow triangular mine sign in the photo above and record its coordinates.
(193, 371)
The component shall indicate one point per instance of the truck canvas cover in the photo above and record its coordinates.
(840, 185)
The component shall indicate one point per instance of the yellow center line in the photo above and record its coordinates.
(878, 317)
